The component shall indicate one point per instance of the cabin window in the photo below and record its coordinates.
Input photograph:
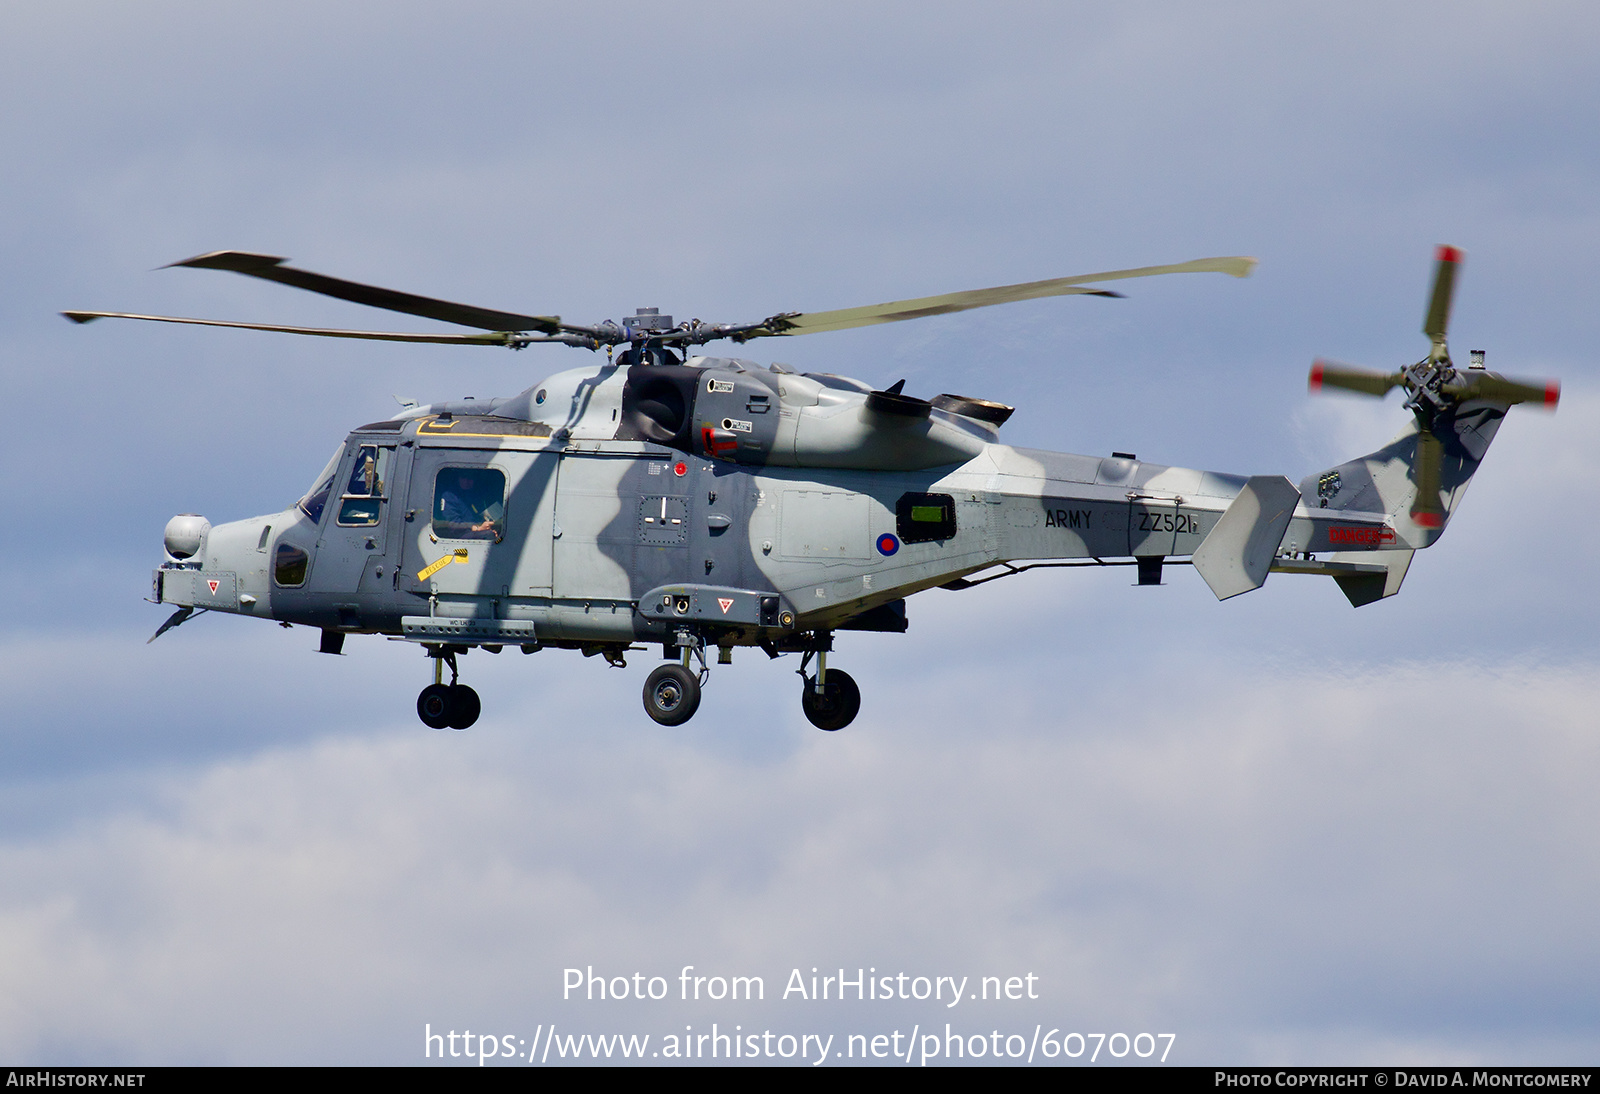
(289, 566)
(469, 503)
(922, 518)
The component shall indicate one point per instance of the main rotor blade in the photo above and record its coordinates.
(1437, 321)
(500, 338)
(895, 311)
(1333, 374)
(1428, 509)
(271, 268)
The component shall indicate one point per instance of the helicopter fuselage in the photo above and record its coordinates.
(712, 503)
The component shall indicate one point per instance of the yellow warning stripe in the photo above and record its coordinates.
(433, 426)
(458, 555)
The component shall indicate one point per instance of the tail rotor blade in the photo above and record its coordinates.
(1437, 321)
(1501, 389)
(1428, 509)
(1326, 373)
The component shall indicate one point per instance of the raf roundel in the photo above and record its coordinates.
(680, 469)
(888, 544)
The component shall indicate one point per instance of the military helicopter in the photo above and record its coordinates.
(689, 501)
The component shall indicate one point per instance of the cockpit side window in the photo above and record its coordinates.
(317, 497)
(289, 566)
(469, 503)
(362, 501)
(366, 477)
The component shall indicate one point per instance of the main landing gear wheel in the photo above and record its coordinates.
(448, 706)
(838, 704)
(433, 706)
(464, 706)
(671, 695)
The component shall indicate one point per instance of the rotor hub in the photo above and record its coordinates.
(648, 319)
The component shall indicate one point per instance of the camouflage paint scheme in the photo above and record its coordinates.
(711, 501)
(723, 503)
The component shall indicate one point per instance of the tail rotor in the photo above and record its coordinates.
(1435, 388)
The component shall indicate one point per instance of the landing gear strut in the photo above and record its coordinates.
(830, 699)
(447, 706)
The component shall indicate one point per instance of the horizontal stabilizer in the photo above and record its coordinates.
(1363, 589)
(1237, 555)
(1366, 577)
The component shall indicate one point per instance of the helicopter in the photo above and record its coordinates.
(669, 498)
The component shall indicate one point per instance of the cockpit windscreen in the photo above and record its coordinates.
(317, 497)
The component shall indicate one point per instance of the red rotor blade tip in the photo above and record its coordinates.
(1447, 253)
(1316, 375)
(1552, 393)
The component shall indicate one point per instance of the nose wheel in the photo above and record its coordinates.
(447, 706)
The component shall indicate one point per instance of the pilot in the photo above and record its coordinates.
(462, 512)
(364, 478)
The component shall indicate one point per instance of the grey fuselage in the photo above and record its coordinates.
(620, 504)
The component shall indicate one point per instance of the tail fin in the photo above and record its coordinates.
(1394, 482)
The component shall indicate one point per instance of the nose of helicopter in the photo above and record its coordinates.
(217, 567)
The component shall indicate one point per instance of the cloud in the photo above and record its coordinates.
(1279, 867)
(1284, 829)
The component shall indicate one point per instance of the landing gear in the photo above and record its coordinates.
(672, 692)
(838, 704)
(831, 700)
(433, 706)
(671, 695)
(464, 706)
(447, 706)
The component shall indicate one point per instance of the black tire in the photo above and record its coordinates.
(464, 706)
(838, 704)
(671, 695)
(434, 706)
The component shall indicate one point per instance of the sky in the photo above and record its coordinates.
(1278, 829)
